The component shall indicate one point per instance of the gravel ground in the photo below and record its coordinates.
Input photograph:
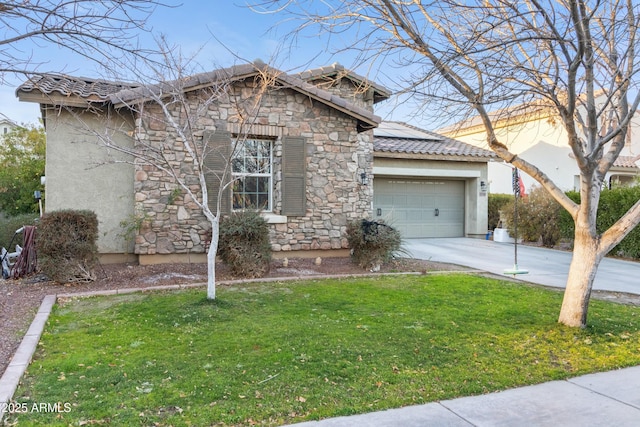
(20, 299)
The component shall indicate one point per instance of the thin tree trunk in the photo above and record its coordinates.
(211, 259)
(582, 272)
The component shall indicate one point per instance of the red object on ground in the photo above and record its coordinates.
(27, 260)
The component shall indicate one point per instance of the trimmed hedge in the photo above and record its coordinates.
(244, 244)
(372, 243)
(67, 249)
(613, 204)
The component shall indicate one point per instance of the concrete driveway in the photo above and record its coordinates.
(546, 266)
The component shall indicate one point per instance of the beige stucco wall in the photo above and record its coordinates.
(472, 173)
(542, 142)
(76, 180)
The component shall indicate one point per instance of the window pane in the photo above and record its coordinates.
(251, 165)
(263, 185)
(263, 201)
(251, 201)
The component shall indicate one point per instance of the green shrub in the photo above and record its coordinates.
(496, 204)
(613, 205)
(372, 243)
(67, 250)
(538, 218)
(244, 244)
(565, 222)
(9, 225)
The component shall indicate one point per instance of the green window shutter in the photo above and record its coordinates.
(217, 158)
(294, 195)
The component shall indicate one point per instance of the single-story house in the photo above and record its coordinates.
(314, 136)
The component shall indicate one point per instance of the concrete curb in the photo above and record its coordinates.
(21, 359)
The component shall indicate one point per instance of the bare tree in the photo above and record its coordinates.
(576, 58)
(178, 133)
(101, 31)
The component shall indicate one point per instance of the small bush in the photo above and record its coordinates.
(372, 243)
(496, 204)
(67, 250)
(538, 218)
(244, 244)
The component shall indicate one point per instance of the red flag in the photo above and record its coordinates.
(523, 193)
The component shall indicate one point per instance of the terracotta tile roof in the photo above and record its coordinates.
(121, 94)
(626, 162)
(401, 138)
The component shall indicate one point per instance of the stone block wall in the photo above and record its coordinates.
(336, 155)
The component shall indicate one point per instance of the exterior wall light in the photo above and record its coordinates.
(364, 179)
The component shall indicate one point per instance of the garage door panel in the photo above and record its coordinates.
(410, 205)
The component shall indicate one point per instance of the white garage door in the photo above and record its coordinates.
(420, 208)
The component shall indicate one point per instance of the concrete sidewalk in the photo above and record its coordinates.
(597, 400)
(603, 399)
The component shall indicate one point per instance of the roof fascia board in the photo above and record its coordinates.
(54, 99)
(439, 157)
(443, 173)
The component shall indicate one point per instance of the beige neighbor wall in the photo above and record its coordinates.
(81, 175)
(541, 142)
(472, 173)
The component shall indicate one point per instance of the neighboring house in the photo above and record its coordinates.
(316, 132)
(428, 185)
(6, 126)
(536, 135)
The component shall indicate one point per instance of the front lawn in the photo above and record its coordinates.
(285, 352)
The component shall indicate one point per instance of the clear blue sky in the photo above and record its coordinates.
(247, 34)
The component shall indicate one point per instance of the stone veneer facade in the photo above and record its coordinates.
(336, 155)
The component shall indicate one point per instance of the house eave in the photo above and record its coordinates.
(54, 99)
(438, 157)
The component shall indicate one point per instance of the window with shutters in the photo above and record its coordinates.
(252, 173)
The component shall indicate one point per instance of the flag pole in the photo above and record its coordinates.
(516, 193)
